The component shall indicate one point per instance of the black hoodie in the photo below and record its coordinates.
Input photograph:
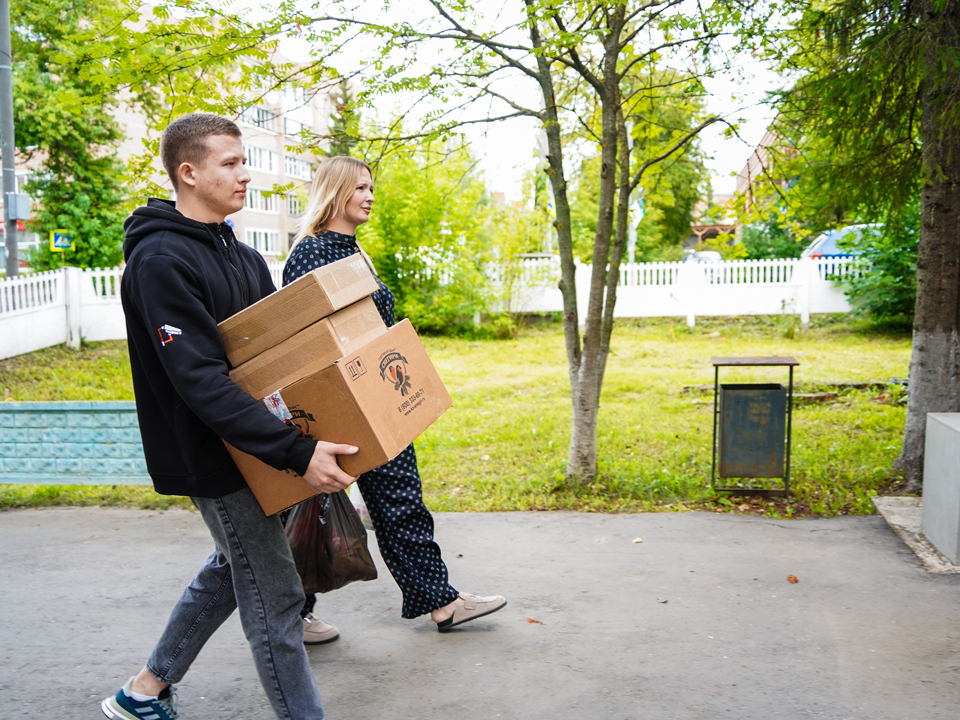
(182, 278)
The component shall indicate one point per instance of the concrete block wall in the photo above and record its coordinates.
(71, 443)
(940, 520)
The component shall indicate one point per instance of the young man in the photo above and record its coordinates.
(185, 273)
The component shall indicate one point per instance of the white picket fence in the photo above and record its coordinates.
(69, 305)
(61, 306)
(740, 287)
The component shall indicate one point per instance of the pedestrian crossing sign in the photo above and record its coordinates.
(60, 240)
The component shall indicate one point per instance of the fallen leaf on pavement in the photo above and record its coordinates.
(792, 579)
(662, 600)
(638, 540)
(534, 620)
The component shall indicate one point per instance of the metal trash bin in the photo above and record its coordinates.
(752, 425)
(752, 432)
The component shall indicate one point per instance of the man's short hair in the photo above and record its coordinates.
(185, 140)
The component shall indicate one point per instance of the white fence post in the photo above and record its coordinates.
(803, 277)
(72, 278)
(690, 285)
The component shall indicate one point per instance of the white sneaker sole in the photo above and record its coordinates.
(115, 713)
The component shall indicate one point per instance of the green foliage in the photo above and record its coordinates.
(769, 239)
(724, 244)
(665, 106)
(584, 207)
(885, 288)
(509, 232)
(171, 57)
(425, 234)
(849, 146)
(670, 193)
(848, 131)
(344, 122)
(436, 236)
(65, 130)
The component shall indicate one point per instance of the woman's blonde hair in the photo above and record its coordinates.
(332, 188)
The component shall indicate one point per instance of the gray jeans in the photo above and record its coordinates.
(251, 569)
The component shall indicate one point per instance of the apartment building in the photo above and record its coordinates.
(268, 221)
(273, 125)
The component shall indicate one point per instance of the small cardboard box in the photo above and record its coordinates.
(298, 305)
(379, 398)
(310, 349)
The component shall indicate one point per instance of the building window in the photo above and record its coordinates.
(298, 168)
(293, 127)
(257, 199)
(266, 242)
(296, 205)
(260, 158)
(261, 117)
(296, 97)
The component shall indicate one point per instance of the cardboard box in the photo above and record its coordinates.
(310, 349)
(298, 305)
(379, 398)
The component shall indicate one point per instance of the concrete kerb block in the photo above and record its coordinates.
(941, 484)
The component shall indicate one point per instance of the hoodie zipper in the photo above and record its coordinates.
(241, 277)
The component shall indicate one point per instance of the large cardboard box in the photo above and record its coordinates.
(379, 398)
(310, 349)
(298, 305)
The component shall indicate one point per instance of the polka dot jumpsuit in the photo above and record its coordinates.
(392, 492)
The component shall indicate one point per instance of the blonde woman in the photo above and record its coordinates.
(341, 199)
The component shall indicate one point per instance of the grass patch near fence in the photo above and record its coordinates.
(503, 445)
(98, 371)
(139, 496)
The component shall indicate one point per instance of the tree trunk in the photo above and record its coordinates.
(582, 460)
(619, 244)
(934, 384)
(584, 421)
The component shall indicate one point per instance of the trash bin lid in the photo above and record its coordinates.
(746, 361)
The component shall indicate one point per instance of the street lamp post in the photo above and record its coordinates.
(7, 144)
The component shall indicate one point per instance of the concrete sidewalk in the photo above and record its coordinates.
(867, 633)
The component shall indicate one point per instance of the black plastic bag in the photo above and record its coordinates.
(329, 543)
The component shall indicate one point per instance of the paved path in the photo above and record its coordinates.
(865, 634)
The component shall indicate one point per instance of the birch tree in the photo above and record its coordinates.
(579, 58)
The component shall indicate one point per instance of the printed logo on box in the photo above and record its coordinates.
(302, 419)
(355, 368)
(393, 365)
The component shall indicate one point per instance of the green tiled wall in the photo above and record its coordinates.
(71, 443)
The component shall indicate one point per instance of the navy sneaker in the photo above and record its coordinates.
(124, 707)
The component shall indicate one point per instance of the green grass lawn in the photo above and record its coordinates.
(503, 445)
